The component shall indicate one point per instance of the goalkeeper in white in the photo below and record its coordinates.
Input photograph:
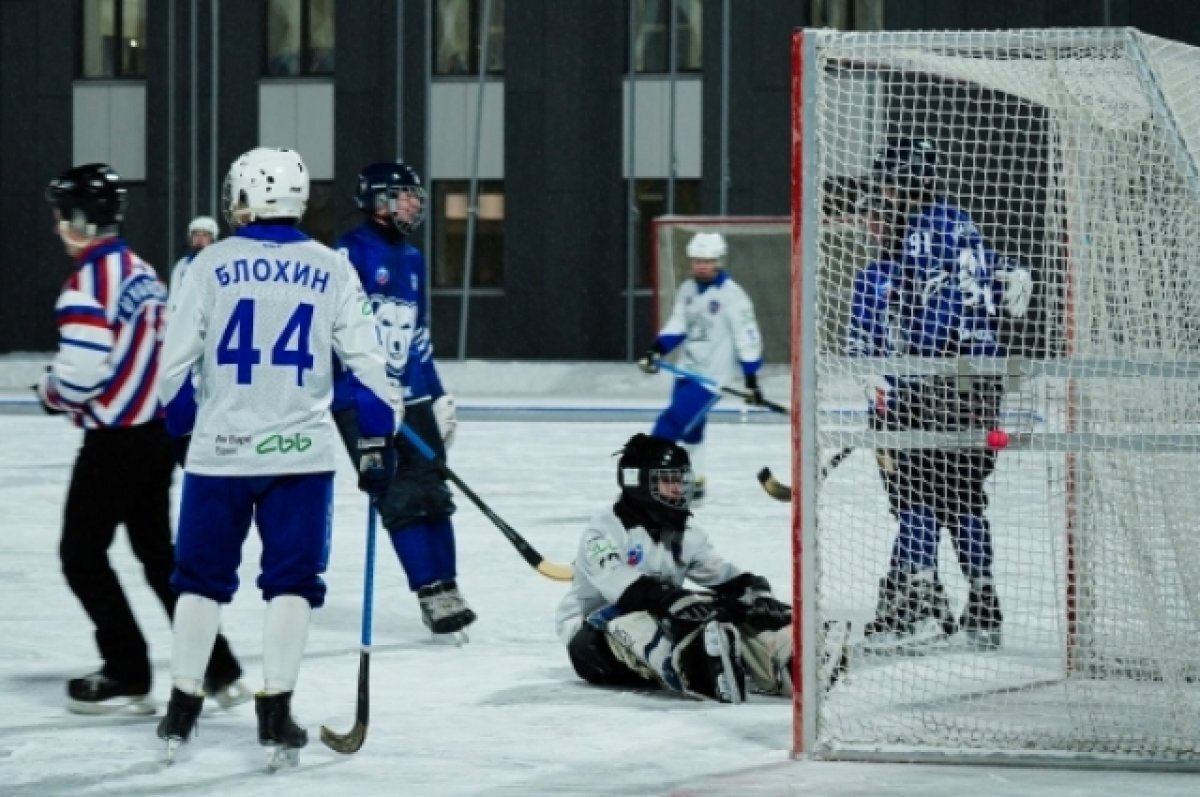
(713, 320)
(628, 620)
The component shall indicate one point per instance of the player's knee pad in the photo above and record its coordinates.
(594, 662)
(638, 642)
(767, 656)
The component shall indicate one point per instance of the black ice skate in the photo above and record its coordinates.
(981, 619)
(278, 731)
(180, 722)
(912, 610)
(443, 609)
(99, 694)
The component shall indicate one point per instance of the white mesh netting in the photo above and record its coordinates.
(1075, 154)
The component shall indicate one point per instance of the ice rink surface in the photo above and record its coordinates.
(502, 715)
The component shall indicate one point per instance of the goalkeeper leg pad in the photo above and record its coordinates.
(710, 665)
(767, 658)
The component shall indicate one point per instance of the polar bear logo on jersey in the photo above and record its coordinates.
(396, 322)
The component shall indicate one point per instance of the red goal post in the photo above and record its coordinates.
(1075, 152)
(759, 259)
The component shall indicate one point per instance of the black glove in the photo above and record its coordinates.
(179, 449)
(677, 609)
(747, 599)
(756, 397)
(648, 362)
(376, 464)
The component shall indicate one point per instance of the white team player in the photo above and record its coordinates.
(202, 231)
(628, 620)
(713, 319)
(262, 316)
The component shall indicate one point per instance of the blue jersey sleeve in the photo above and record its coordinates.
(867, 331)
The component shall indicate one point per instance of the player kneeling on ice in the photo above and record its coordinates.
(627, 619)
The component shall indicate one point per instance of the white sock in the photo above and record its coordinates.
(196, 621)
(285, 630)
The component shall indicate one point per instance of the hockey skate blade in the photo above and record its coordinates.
(345, 743)
(173, 746)
(279, 757)
(453, 638)
(117, 706)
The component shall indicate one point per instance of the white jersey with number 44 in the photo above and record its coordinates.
(260, 318)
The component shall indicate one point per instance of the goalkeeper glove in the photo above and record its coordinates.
(376, 465)
(756, 398)
(747, 599)
(648, 362)
(1017, 282)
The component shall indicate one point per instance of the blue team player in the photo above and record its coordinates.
(936, 291)
(417, 505)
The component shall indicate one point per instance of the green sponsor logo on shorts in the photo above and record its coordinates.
(284, 444)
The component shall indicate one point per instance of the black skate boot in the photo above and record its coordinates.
(178, 725)
(443, 609)
(99, 694)
(912, 607)
(981, 619)
(277, 730)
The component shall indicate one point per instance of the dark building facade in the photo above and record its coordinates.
(170, 93)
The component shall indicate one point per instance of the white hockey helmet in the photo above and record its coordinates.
(707, 246)
(204, 224)
(266, 183)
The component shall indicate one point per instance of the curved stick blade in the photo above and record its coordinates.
(345, 743)
(775, 488)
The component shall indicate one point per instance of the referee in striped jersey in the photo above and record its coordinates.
(110, 316)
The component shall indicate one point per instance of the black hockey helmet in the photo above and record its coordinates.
(910, 165)
(90, 198)
(380, 185)
(653, 470)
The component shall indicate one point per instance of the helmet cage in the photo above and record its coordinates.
(672, 487)
(384, 186)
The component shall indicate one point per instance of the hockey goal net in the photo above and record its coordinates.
(1075, 152)
(759, 258)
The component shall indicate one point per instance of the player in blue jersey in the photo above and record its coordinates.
(937, 291)
(417, 505)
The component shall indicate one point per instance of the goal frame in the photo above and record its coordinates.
(805, 219)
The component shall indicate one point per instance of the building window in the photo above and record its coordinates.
(318, 216)
(299, 38)
(450, 202)
(652, 45)
(652, 203)
(847, 14)
(456, 42)
(114, 39)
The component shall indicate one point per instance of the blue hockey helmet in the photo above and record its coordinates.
(89, 198)
(909, 165)
(395, 187)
